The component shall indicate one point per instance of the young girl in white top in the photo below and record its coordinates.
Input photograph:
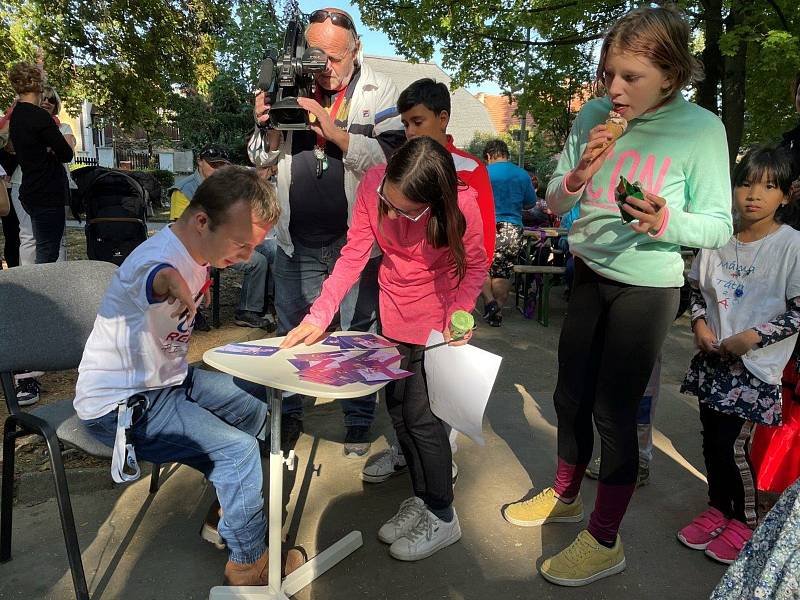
(745, 318)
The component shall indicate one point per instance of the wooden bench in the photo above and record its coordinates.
(526, 272)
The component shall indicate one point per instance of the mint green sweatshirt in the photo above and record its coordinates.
(678, 152)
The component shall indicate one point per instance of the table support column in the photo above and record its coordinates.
(275, 520)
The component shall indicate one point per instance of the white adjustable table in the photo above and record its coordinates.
(279, 376)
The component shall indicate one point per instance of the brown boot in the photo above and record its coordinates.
(256, 573)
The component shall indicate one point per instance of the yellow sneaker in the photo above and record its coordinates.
(584, 561)
(543, 508)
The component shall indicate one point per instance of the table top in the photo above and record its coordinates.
(277, 372)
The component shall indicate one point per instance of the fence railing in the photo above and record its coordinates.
(85, 161)
(132, 159)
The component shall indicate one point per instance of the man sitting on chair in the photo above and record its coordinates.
(134, 371)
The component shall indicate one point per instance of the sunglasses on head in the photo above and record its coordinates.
(337, 18)
(399, 211)
(213, 155)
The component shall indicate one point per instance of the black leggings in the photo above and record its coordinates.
(421, 434)
(608, 346)
(726, 450)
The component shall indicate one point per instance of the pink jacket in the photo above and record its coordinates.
(418, 290)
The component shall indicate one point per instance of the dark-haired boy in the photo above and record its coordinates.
(424, 108)
(134, 365)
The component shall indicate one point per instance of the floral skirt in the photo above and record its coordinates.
(728, 387)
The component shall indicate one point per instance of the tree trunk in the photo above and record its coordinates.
(733, 87)
(711, 57)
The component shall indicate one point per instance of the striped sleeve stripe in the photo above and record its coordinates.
(386, 114)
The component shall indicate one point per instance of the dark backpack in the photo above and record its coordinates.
(116, 215)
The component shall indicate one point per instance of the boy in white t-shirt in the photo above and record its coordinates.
(137, 351)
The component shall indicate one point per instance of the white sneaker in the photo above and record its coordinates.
(383, 465)
(411, 511)
(428, 536)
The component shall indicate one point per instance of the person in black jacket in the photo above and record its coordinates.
(41, 151)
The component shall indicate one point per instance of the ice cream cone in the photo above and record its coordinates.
(616, 124)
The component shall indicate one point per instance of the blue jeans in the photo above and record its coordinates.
(298, 283)
(256, 276)
(209, 422)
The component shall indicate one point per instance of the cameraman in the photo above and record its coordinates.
(316, 205)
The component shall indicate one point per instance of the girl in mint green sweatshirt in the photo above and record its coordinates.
(627, 275)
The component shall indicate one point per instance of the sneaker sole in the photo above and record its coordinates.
(713, 556)
(211, 535)
(382, 478)
(618, 568)
(413, 558)
(355, 453)
(539, 522)
(688, 544)
(27, 402)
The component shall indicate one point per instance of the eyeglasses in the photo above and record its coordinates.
(49, 99)
(337, 18)
(399, 211)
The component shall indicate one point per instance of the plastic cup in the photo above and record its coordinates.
(461, 323)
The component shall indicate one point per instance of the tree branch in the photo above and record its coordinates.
(570, 41)
(780, 14)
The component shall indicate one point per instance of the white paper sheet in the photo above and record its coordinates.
(460, 380)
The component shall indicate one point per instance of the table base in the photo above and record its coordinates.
(297, 580)
(316, 566)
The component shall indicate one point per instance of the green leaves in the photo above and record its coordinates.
(485, 40)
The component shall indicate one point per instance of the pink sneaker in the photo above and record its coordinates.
(704, 528)
(726, 546)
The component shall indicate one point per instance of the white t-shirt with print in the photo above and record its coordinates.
(136, 345)
(767, 275)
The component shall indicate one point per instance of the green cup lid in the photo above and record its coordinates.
(462, 320)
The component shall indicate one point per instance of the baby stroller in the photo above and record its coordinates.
(116, 214)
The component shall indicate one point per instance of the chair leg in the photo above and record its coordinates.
(154, 478)
(67, 520)
(7, 496)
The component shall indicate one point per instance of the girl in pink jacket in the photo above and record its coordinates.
(428, 226)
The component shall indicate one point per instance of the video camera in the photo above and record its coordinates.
(286, 77)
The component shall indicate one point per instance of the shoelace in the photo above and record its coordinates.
(28, 386)
(424, 527)
(577, 551)
(540, 495)
(407, 509)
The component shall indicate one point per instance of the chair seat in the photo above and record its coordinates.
(70, 429)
